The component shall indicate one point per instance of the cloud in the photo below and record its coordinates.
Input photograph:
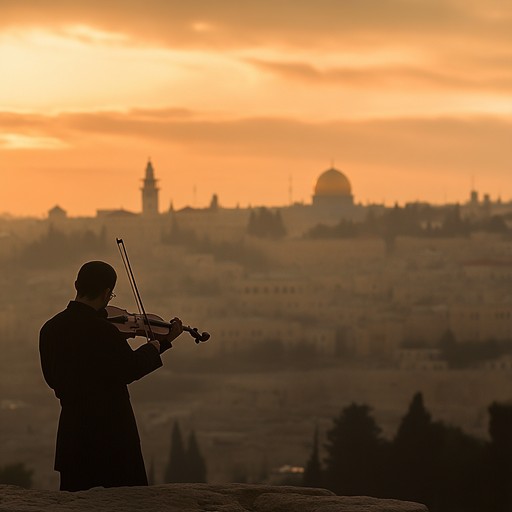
(296, 23)
(383, 76)
(376, 56)
(162, 113)
(461, 145)
(17, 141)
(397, 159)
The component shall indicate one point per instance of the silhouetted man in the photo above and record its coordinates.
(88, 363)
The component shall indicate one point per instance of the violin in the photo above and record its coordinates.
(133, 324)
(142, 324)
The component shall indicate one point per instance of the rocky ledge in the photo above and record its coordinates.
(196, 498)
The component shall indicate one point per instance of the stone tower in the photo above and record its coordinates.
(149, 193)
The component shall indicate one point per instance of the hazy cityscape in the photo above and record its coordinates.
(311, 306)
(324, 187)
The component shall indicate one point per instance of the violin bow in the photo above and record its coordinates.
(131, 278)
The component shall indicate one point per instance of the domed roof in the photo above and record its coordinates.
(332, 183)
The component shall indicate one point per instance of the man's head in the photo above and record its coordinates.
(95, 280)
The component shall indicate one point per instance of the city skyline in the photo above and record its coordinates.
(410, 99)
(151, 204)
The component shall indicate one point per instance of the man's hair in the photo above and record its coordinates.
(95, 277)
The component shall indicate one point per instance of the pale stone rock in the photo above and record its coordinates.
(196, 498)
(302, 503)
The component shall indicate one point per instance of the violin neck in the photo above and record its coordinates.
(156, 323)
(162, 323)
(193, 331)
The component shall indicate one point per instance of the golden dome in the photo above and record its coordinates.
(333, 183)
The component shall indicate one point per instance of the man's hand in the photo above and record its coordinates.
(175, 330)
(155, 344)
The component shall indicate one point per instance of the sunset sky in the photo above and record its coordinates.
(252, 100)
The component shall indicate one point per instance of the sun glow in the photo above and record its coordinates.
(202, 26)
(226, 101)
(81, 68)
(78, 68)
(93, 35)
(21, 141)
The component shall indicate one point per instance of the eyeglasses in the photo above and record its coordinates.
(112, 296)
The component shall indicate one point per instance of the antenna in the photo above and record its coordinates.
(290, 189)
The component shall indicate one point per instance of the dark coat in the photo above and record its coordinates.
(88, 363)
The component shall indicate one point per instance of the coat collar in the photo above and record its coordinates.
(80, 307)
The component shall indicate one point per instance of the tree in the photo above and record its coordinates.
(262, 477)
(415, 454)
(344, 229)
(176, 470)
(313, 475)
(16, 474)
(266, 224)
(214, 203)
(195, 463)
(500, 456)
(495, 224)
(151, 473)
(460, 475)
(453, 224)
(355, 453)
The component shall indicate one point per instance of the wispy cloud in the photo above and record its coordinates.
(14, 141)
(385, 76)
(231, 23)
(459, 144)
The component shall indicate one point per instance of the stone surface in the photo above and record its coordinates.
(195, 498)
(290, 502)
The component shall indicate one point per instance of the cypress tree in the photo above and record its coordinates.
(355, 453)
(313, 476)
(151, 473)
(251, 226)
(176, 470)
(500, 456)
(263, 472)
(16, 474)
(416, 453)
(196, 466)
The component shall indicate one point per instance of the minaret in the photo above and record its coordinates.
(149, 193)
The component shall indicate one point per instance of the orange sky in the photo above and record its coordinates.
(410, 98)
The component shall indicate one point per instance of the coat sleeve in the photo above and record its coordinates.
(47, 356)
(127, 364)
(146, 360)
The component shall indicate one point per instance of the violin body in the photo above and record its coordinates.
(134, 324)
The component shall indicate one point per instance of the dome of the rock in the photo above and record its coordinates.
(333, 183)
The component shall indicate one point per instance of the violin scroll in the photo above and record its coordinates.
(198, 337)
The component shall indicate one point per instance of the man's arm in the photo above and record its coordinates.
(124, 364)
(135, 364)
